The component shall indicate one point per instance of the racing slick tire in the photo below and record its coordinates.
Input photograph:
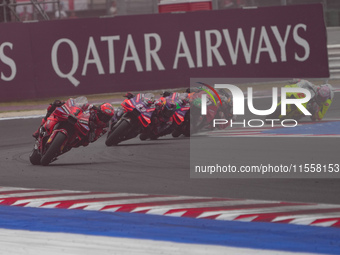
(114, 137)
(54, 149)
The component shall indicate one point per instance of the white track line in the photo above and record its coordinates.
(21, 242)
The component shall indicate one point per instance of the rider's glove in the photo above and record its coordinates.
(52, 107)
(129, 95)
(58, 103)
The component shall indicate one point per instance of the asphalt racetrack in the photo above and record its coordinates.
(162, 166)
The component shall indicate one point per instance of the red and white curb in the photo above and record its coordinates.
(325, 215)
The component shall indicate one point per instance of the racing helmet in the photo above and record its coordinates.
(105, 112)
(169, 108)
(323, 93)
(166, 94)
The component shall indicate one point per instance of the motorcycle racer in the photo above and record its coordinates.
(161, 119)
(147, 98)
(100, 117)
(98, 121)
(321, 98)
(50, 110)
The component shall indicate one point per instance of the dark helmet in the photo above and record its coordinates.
(165, 94)
(105, 112)
(169, 108)
(129, 95)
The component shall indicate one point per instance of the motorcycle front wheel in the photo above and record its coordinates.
(54, 149)
(176, 133)
(186, 132)
(114, 137)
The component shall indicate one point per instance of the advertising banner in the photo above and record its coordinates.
(158, 51)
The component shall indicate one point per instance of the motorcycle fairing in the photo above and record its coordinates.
(145, 111)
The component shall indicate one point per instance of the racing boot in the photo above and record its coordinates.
(143, 136)
(36, 133)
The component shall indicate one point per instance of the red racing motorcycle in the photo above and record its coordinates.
(136, 117)
(64, 129)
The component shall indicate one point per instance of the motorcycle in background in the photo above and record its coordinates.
(198, 121)
(64, 129)
(181, 121)
(162, 119)
(214, 110)
(136, 117)
(292, 112)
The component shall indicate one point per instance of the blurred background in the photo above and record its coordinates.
(32, 10)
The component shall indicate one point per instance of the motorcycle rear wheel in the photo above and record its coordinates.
(54, 149)
(113, 138)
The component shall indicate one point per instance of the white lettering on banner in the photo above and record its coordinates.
(302, 42)
(75, 61)
(182, 44)
(213, 49)
(8, 61)
(196, 49)
(110, 40)
(153, 53)
(240, 39)
(130, 46)
(281, 42)
(91, 49)
(268, 46)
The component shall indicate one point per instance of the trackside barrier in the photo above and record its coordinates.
(334, 60)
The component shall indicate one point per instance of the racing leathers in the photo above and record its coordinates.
(318, 105)
(161, 119)
(97, 126)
